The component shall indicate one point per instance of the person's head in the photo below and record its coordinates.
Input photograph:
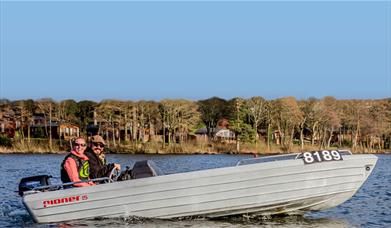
(97, 144)
(79, 145)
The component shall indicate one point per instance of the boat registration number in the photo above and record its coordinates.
(321, 156)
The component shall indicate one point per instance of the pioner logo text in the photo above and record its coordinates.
(59, 201)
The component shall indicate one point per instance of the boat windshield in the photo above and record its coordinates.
(267, 159)
(155, 168)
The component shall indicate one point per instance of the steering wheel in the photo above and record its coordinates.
(114, 174)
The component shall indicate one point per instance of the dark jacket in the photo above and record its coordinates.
(98, 168)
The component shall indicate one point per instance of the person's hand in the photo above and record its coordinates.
(117, 166)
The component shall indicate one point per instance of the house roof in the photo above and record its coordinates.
(54, 124)
(225, 133)
(204, 131)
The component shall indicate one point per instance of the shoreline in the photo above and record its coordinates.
(184, 153)
(183, 149)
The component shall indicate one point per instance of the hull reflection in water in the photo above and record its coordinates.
(222, 222)
(288, 184)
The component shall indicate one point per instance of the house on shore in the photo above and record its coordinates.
(220, 133)
(40, 128)
(8, 124)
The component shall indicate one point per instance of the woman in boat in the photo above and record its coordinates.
(75, 167)
(98, 164)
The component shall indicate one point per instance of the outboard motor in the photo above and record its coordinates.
(29, 183)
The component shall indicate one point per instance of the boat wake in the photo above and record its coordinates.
(228, 221)
(13, 214)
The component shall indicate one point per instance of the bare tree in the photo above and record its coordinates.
(288, 119)
(353, 113)
(46, 107)
(108, 111)
(24, 113)
(152, 117)
(306, 108)
(330, 120)
(257, 112)
(178, 116)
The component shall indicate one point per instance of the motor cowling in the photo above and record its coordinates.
(29, 183)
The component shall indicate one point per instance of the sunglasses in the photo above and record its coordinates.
(80, 144)
(99, 145)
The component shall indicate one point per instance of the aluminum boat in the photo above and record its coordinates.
(283, 184)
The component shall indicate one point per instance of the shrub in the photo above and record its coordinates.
(5, 141)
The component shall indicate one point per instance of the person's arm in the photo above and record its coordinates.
(71, 168)
(105, 170)
(97, 170)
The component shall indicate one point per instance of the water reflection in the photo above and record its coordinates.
(239, 221)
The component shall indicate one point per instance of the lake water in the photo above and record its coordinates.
(369, 207)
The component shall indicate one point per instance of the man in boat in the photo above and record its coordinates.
(98, 164)
(75, 167)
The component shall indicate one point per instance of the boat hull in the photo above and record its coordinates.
(287, 186)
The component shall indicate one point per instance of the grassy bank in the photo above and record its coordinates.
(42, 146)
(35, 147)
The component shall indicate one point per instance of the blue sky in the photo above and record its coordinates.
(195, 50)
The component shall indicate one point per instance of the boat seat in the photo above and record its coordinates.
(142, 169)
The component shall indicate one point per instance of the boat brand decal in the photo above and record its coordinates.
(321, 156)
(59, 201)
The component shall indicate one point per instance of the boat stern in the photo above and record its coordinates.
(29, 207)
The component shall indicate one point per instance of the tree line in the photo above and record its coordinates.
(286, 121)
